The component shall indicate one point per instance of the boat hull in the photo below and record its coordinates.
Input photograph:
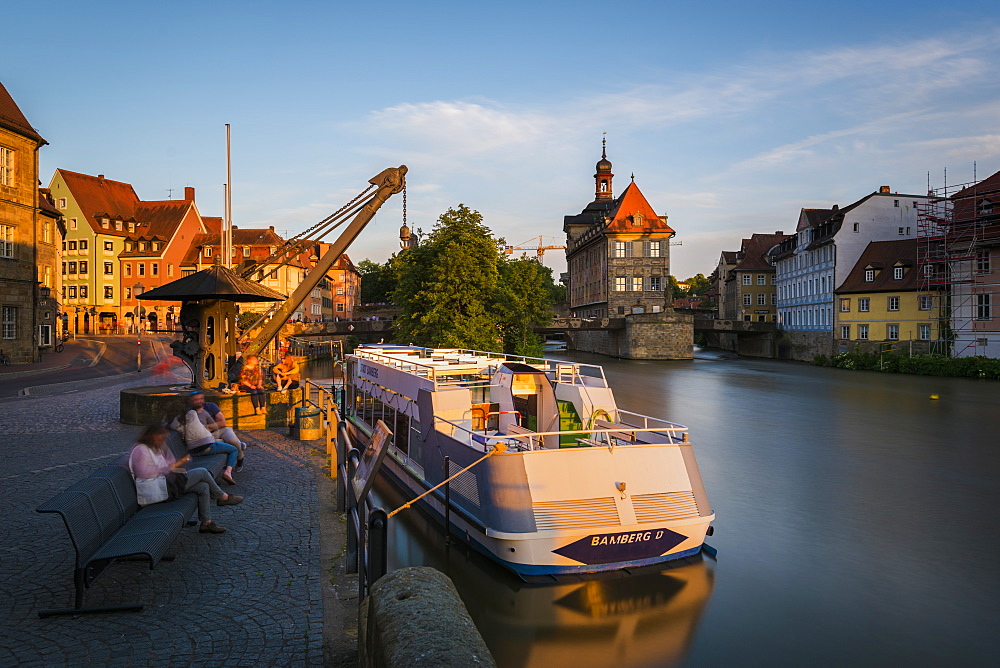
(562, 552)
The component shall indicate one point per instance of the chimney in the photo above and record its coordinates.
(188, 194)
(271, 227)
(779, 232)
(884, 189)
(100, 177)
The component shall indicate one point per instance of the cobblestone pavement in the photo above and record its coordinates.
(250, 596)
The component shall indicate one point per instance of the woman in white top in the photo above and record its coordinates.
(151, 460)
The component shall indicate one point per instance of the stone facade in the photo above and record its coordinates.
(803, 346)
(617, 253)
(26, 237)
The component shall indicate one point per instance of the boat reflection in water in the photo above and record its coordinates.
(644, 619)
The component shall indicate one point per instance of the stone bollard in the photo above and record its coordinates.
(414, 617)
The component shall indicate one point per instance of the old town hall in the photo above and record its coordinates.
(617, 252)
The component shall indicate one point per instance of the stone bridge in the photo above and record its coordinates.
(368, 331)
(752, 339)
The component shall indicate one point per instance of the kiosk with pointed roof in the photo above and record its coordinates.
(208, 319)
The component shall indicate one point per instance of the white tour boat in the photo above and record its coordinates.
(573, 483)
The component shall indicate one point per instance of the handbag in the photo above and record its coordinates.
(151, 490)
(176, 484)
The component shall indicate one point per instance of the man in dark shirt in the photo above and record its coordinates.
(211, 416)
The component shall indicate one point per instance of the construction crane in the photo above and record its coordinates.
(529, 245)
(363, 207)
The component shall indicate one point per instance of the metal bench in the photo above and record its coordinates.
(106, 523)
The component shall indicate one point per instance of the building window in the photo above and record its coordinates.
(761, 299)
(924, 331)
(863, 303)
(72, 267)
(7, 177)
(142, 245)
(170, 270)
(109, 269)
(895, 203)
(637, 220)
(901, 231)
(64, 268)
(128, 270)
(897, 273)
(774, 299)
(637, 284)
(340, 291)
(621, 248)
(747, 279)
(925, 302)
(83, 267)
(72, 223)
(983, 261)
(109, 292)
(72, 245)
(118, 225)
(845, 305)
(156, 246)
(154, 269)
(246, 251)
(892, 332)
(863, 332)
(109, 246)
(83, 244)
(845, 332)
(83, 292)
(208, 251)
(7, 241)
(984, 308)
(9, 318)
(619, 284)
(655, 249)
(340, 307)
(105, 224)
(71, 292)
(47, 231)
(761, 279)
(655, 283)
(857, 227)
(128, 293)
(893, 303)
(140, 269)
(746, 299)
(869, 275)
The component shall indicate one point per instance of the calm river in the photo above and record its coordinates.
(857, 524)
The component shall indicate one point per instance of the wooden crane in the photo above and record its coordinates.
(528, 245)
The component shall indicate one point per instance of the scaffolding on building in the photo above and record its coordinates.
(955, 229)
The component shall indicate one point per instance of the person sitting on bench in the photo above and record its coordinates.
(252, 381)
(152, 460)
(199, 441)
(212, 417)
(286, 374)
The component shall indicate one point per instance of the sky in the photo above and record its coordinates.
(731, 115)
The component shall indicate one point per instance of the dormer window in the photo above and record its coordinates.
(142, 245)
(105, 223)
(156, 245)
(869, 275)
(985, 208)
(128, 246)
(897, 273)
(637, 220)
(118, 225)
(246, 251)
(208, 251)
(131, 227)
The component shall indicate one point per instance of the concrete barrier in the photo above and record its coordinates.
(414, 617)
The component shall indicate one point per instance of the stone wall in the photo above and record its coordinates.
(654, 336)
(148, 405)
(803, 346)
(415, 617)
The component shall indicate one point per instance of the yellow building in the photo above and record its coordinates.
(881, 301)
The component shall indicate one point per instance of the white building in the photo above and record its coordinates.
(827, 243)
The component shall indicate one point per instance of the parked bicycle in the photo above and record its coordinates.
(60, 347)
(4, 358)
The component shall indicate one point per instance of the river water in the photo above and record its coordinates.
(857, 523)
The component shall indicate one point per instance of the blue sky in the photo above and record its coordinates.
(732, 115)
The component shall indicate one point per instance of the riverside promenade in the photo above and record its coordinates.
(251, 596)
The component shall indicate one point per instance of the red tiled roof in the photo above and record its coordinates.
(47, 204)
(212, 223)
(241, 237)
(967, 201)
(12, 119)
(812, 218)
(884, 255)
(629, 204)
(754, 251)
(96, 195)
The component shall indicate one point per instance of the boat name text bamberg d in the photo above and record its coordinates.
(619, 539)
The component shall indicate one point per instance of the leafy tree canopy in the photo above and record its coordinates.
(377, 282)
(457, 289)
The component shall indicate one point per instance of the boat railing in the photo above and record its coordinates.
(633, 419)
(557, 370)
(526, 440)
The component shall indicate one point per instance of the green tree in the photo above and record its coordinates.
(676, 292)
(377, 282)
(447, 285)
(524, 299)
(698, 285)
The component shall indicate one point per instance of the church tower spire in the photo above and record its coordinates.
(603, 176)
